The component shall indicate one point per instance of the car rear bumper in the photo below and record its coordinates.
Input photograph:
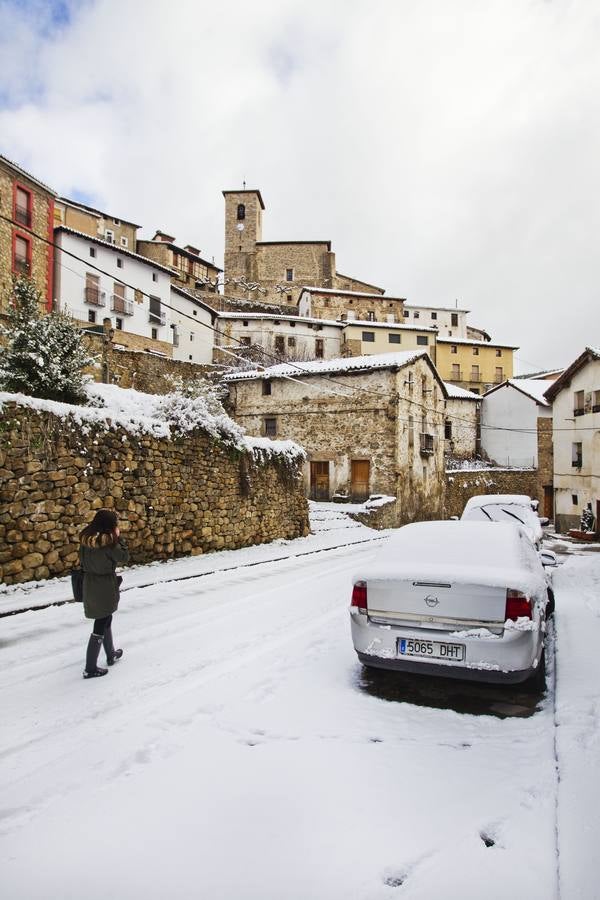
(443, 670)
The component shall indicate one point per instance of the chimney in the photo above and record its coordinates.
(163, 236)
(191, 249)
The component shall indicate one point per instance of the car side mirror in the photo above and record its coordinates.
(548, 558)
(454, 518)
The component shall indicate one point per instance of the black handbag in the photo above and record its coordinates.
(77, 584)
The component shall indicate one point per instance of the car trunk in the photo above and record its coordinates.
(427, 603)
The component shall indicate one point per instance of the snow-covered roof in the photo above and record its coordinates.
(534, 389)
(471, 342)
(278, 317)
(397, 326)
(458, 393)
(194, 299)
(332, 366)
(543, 374)
(451, 309)
(345, 293)
(589, 355)
(120, 251)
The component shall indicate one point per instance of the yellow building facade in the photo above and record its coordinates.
(474, 365)
(365, 338)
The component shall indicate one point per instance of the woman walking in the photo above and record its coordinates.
(101, 551)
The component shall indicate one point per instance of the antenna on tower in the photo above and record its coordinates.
(244, 184)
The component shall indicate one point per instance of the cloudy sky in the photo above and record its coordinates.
(450, 149)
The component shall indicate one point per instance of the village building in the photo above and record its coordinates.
(26, 232)
(193, 325)
(369, 425)
(575, 398)
(474, 365)
(449, 321)
(349, 305)
(461, 423)
(275, 338)
(363, 338)
(516, 431)
(189, 270)
(275, 271)
(95, 223)
(103, 280)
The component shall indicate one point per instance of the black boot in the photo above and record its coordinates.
(91, 658)
(112, 655)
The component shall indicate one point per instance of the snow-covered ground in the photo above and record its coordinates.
(235, 752)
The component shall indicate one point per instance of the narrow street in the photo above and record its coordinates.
(240, 750)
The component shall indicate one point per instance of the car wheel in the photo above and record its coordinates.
(536, 684)
(550, 604)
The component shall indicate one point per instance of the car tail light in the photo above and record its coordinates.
(359, 596)
(517, 605)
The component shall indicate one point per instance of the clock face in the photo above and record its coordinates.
(240, 226)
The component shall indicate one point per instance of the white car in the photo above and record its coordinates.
(511, 508)
(453, 599)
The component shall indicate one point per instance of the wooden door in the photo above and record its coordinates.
(319, 480)
(360, 479)
(548, 501)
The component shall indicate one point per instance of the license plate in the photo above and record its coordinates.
(431, 649)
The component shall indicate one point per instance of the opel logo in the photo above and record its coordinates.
(431, 601)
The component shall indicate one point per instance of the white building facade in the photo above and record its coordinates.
(95, 280)
(193, 328)
(281, 337)
(509, 422)
(448, 322)
(576, 405)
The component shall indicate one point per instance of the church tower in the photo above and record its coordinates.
(243, 229)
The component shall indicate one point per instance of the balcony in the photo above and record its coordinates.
(498, 379)
(426, 444)
(157, 318)
(475, 376)
(121, 306)
(578, 411)
(22, 266)
(94, 296)
(23, 216)
(456, 375)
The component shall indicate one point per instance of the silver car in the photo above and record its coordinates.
(509, 508)
(453, 599)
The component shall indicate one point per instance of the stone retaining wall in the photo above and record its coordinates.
(461, 486)
(174, 497)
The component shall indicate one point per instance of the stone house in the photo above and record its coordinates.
(369, 425)
(363, 338)
(349, 306)
(275, 271)
(474, 365)
(281, 337)
(575, 398)
(27, 208)
(95, 223)
(461, 423)
(102, 280)
(189, 270)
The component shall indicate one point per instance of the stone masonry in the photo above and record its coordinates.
(174, 497)
(461, 486)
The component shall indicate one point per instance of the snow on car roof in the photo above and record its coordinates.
(497, 554)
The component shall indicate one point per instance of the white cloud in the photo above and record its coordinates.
(449, 150)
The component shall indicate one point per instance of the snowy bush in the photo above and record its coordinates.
(45, 356)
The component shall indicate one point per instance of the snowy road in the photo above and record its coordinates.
(236, 753)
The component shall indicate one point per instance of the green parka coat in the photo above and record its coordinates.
(100, 587)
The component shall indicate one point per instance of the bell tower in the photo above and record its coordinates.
(243, 229)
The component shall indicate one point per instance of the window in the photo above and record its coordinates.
(577, 455)
(119, 262)
(394, 338)
(456, 372)
(368, 336)
(416, 314)
(498, 352)
(426, 443)
(411, 432)
(156, 314)
(453, 348)
(370, 316)
(245, 341)
(499, 375)
(448, 430)
(175, 335)
(406, 314)
(191, 335)
(319, 348)
(195, 311)
(454, 320)
(289, 274)
(279, 345)
(475, 376)
(574, 499)
(91, 316)
(241, 212)
(266, 388)
(23, 204)
(118, 297)
(596, 403)
(434, 315)
(270, 427)
(92, 289)
(117, 221)
(155, 276)
(289, 298)
(578, 403)
(109, 236)
(154, 334)
(93, 252)
(291, 342)
(475, 351)
(245, 323)
(21, 255)
(119, 324)
(422, 340)
(124, 241)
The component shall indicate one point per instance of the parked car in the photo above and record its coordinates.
(456, 600)
(515, 508)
